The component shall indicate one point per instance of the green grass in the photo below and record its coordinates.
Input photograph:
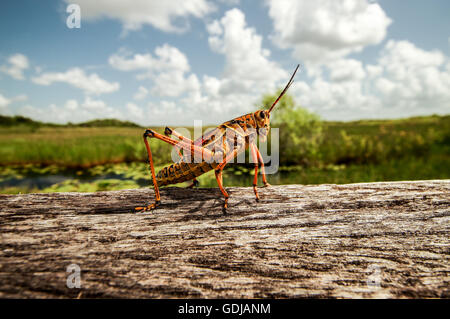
(365, 142)
(72, 146)
(361, 142)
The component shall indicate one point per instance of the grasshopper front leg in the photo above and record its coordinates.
(253, 151)
(218, 171)
(263, 172)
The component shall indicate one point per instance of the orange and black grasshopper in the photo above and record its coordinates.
(214, 149)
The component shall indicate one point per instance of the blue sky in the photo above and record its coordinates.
(159, 63)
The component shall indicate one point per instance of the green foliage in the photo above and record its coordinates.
(300, 131)
(8, 121)
(76, 146)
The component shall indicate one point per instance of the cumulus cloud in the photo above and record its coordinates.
(413, 77)
(174, 84)
(137, 62)
(141, 93)
(76, 77)
(324, 30)
(335, 100)
(163, 15)
(166, 58)
(17, 64)
(405, 81)
(248, 73)
(168, 69)
(94, 105)
(135, 113)
(72, 111)
(346, 70)
(247, 64)
(4, 102)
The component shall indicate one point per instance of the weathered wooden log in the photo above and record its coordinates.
(375, 240)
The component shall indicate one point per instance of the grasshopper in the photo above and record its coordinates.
(215, 149)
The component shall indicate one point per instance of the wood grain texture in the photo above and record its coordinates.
(298, 241)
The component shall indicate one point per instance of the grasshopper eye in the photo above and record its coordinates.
(262, 115)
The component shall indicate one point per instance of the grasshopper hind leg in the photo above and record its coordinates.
(150, 133)
(219, 177)
(149, 207)
(183, 144)
(220, 183)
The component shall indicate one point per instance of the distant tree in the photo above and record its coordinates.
(107, 123)
(300, 130)
(18, 120)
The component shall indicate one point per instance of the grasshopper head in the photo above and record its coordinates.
(262, 118)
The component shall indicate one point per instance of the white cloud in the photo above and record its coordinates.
(374, 70)
(211, 85)
(336, 100)
(406, 81)
(76, 77)
(174, 84)
(346, 70)
(249, 72)
(71, 111)
(167, 69)
(247, 64)
(71, 105)
(95, 105)
(138, 62)
(214, 28)
(17, 64)
(323, 30)
(4, 102)
(20, 98)
(163, 15)
(134, 113)
(166, 58)
(141, 93)
(413, 78)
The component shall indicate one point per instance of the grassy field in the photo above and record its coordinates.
(97, 158)
(382, 141)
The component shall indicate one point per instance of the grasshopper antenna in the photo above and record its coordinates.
(285, 89)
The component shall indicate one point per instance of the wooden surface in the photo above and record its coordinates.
(376, 240)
